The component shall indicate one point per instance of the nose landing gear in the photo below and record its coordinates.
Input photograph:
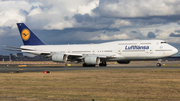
(159, 63)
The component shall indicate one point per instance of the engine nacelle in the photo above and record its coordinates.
(59, 57)
(92, 60)
(123, 62)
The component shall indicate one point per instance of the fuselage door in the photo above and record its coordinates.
(119, 51)
(150, 50)
(93, 51)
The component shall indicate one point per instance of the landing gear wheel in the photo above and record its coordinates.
(103, 63)
(84, 65)
(158, 65)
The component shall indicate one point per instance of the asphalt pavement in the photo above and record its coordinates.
(12, 68)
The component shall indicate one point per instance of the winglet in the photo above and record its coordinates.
(28, 37)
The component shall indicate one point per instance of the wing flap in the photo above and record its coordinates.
(37, 52)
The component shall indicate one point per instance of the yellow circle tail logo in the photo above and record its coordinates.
(25, 34)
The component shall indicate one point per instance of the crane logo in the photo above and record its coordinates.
(25, 34)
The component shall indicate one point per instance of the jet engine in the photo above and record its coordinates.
(123, 62)
(59, 57)
(92, 60)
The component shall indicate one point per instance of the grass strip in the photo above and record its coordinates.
(109, 85)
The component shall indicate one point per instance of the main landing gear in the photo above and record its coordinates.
(103, 63)
(159, 63)
(86, 65)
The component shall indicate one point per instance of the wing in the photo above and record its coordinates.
(48, 54)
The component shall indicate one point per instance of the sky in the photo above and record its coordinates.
(90, 21)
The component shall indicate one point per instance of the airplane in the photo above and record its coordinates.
(95, 54)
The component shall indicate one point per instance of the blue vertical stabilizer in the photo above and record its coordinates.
(28, 37)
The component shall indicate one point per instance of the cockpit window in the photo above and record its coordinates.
(163, 42)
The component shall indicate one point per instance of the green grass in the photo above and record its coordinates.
(109, 85)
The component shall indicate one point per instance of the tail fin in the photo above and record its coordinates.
(28, 37)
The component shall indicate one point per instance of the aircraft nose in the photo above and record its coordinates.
(174, 50)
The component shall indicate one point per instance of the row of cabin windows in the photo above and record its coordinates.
(90, 51)
(136, 43)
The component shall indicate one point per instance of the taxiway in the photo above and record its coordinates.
(8, 69)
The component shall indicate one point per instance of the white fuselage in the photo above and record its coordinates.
(112, 51)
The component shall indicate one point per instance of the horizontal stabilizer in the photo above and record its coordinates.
(17, 48)
(12, 49)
